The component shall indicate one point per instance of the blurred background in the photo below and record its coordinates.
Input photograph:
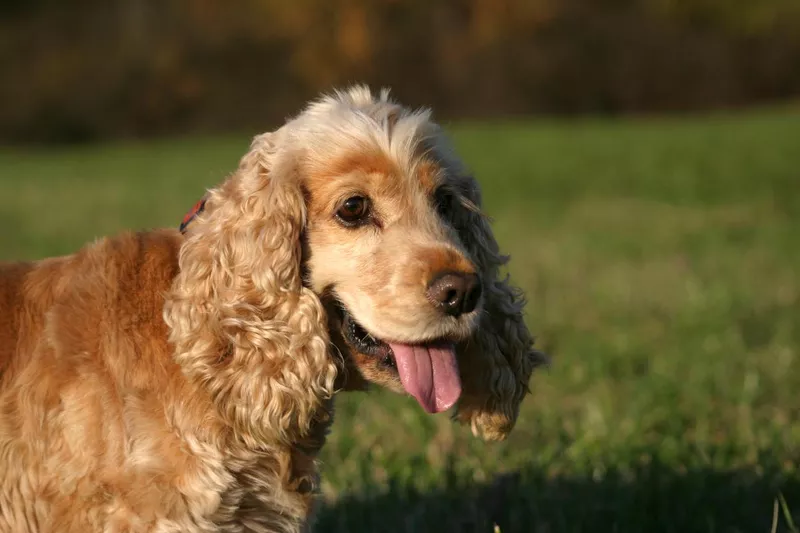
(94, 69)
(641, 161)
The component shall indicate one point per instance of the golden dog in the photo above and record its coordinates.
(166, 381)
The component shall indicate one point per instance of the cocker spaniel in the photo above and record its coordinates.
(166, 381)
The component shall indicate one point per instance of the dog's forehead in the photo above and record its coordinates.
(383, 174)
(374, 171)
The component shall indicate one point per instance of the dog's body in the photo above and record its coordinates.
(162, 382)
(100, 439)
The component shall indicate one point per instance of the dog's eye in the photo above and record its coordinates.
(354, 211)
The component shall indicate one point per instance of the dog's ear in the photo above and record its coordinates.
(497, 361)
(243, 325)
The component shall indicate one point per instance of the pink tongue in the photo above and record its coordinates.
(429, 373)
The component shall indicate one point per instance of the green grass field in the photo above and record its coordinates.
(661, 259)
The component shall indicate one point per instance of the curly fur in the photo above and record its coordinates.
(238, 306)
(166, 382)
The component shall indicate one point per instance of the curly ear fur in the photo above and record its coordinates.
(243, 325)
(499, 358)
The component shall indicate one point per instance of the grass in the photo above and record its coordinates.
(661, 258)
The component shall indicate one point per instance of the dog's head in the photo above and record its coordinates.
(350, 248)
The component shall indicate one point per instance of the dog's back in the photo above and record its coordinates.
(77, 333)
(27, 291)
(12, 276)
(117, 281)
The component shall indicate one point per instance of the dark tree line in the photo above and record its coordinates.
(89, 69)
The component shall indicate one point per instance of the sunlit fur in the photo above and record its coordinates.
(162, 382)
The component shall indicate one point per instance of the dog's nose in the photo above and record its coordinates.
(455, 293)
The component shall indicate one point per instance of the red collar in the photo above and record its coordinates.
(193, 212)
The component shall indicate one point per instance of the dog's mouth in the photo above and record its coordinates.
(427, 370)
(360, 339)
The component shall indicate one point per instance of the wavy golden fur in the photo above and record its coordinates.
(166, 382)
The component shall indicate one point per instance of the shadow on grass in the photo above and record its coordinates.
(651, 499)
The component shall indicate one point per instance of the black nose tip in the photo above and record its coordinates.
(455, 293)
